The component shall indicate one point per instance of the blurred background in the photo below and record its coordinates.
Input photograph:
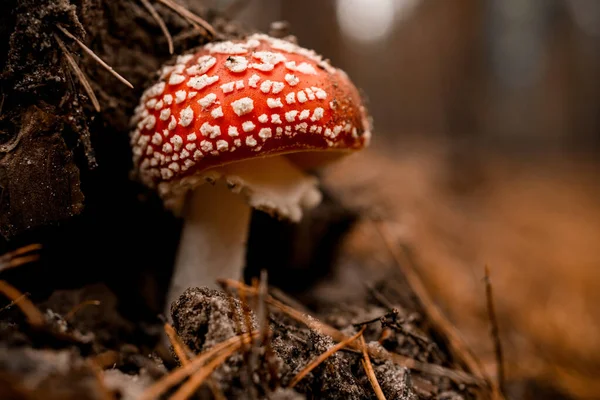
(485, 152)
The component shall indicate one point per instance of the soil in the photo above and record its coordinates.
(64, 183)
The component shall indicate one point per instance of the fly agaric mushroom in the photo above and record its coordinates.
(250, 117)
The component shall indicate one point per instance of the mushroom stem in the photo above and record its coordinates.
(213, 239)
(217, 217)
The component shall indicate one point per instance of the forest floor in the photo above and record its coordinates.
(82, 316)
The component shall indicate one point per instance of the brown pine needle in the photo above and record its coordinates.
(192, 18)
(262, 314)
(68, 316)
(20, 251)
(31, 312)
(18, 261)
(180, 348)
(198, 378)
(179, 374)
(366, 362)
(495, 333)
(94, 56)
(338, 336)
(324, 356)
(12, 259)
(458, 347)
(79, 73)
(161, 24)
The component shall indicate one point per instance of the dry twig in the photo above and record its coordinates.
(324, 356)
(495, 333)
(161, 24)
(94, 56)
(366, 362)
(457, 345)
(79, 73)
(31, 312)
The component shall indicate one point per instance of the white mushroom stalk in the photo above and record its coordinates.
(217, 217)
(248, 116)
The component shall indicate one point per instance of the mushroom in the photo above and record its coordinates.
(250, 117)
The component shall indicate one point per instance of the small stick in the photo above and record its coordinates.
(79, 73)
(366, 362)
(31, 312)
(323, 356)
(79, 306)
(176, 376)
(368, 322)
(192, 18)
(495, 333)
(94, 56)
(180, 348)
(161, 24)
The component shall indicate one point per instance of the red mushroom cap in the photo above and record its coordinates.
(238, 100)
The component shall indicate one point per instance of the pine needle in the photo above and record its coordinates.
(499, 386)
(31, 312)
(161, 24)
(366, 362)
(79, 306)
(458, 347)
(94, 56)
(179, 374)
(79, 73)
(12, 259)
(178, 346)
(192, 18)
(338, 336)
(18, 261)
(198, 378)
(324, 356)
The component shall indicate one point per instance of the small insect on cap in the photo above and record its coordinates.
(239, 100)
